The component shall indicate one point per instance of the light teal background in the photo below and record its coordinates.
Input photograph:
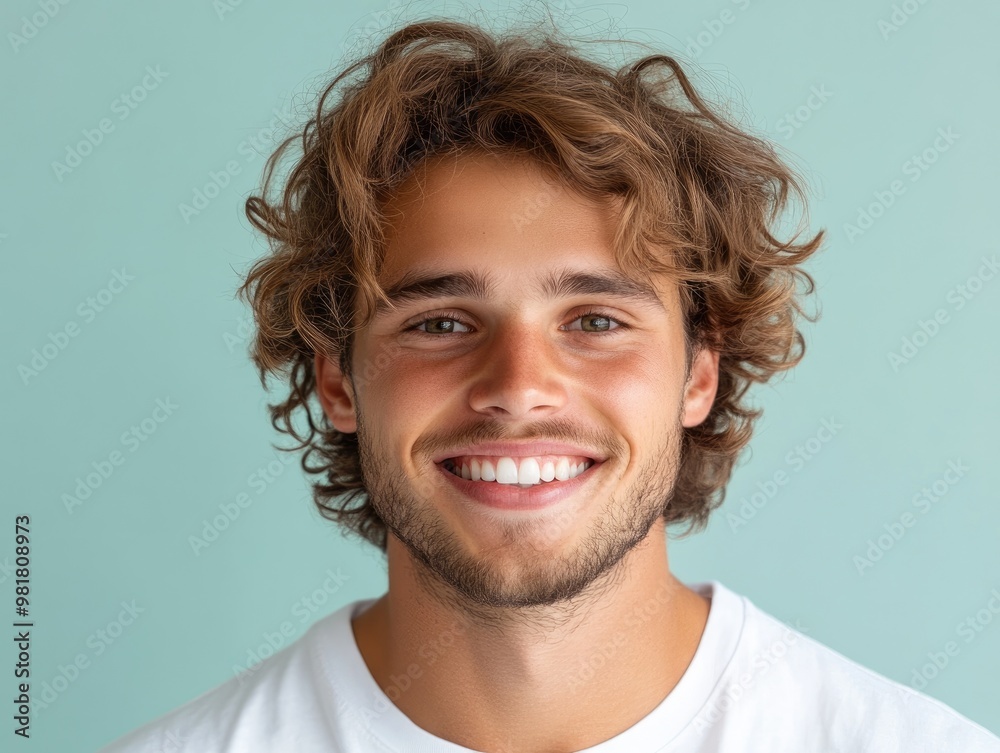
(175, 333)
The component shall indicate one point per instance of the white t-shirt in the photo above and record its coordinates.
(754, 684)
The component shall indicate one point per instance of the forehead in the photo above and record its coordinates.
(462, 206)
(502, 218)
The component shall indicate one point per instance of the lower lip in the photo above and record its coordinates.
(513, 497)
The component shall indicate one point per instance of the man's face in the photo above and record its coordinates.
(518, 365)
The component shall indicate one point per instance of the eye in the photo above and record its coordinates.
(605, 323)
(601, 317)
(435, 320)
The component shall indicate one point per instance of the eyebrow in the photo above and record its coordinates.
(417, 286)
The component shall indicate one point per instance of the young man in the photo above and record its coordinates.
(528, 296)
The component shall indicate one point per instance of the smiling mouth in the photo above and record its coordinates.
(529, 474)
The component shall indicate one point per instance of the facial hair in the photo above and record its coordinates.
(473, 583)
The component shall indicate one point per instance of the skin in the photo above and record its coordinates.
(495, 614)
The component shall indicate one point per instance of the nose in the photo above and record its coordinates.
(520, 375)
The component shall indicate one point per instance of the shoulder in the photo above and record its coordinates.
(856, 708)
(267, 701)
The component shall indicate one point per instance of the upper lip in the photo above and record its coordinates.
(521, 450)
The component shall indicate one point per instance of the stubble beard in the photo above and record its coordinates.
(475, 583)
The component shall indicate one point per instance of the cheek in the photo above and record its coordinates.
(402, 392)
(377, 369)
(643, 392)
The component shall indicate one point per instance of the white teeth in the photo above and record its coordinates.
(506, 471)
(526, 473)
(548, 471)
(489, 472)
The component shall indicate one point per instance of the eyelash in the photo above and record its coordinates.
(448, 316)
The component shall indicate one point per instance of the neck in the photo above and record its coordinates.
(559, 677)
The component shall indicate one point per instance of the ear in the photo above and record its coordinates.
(336, 394)
(701, 386)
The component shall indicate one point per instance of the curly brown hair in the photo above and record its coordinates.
(687, 179)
